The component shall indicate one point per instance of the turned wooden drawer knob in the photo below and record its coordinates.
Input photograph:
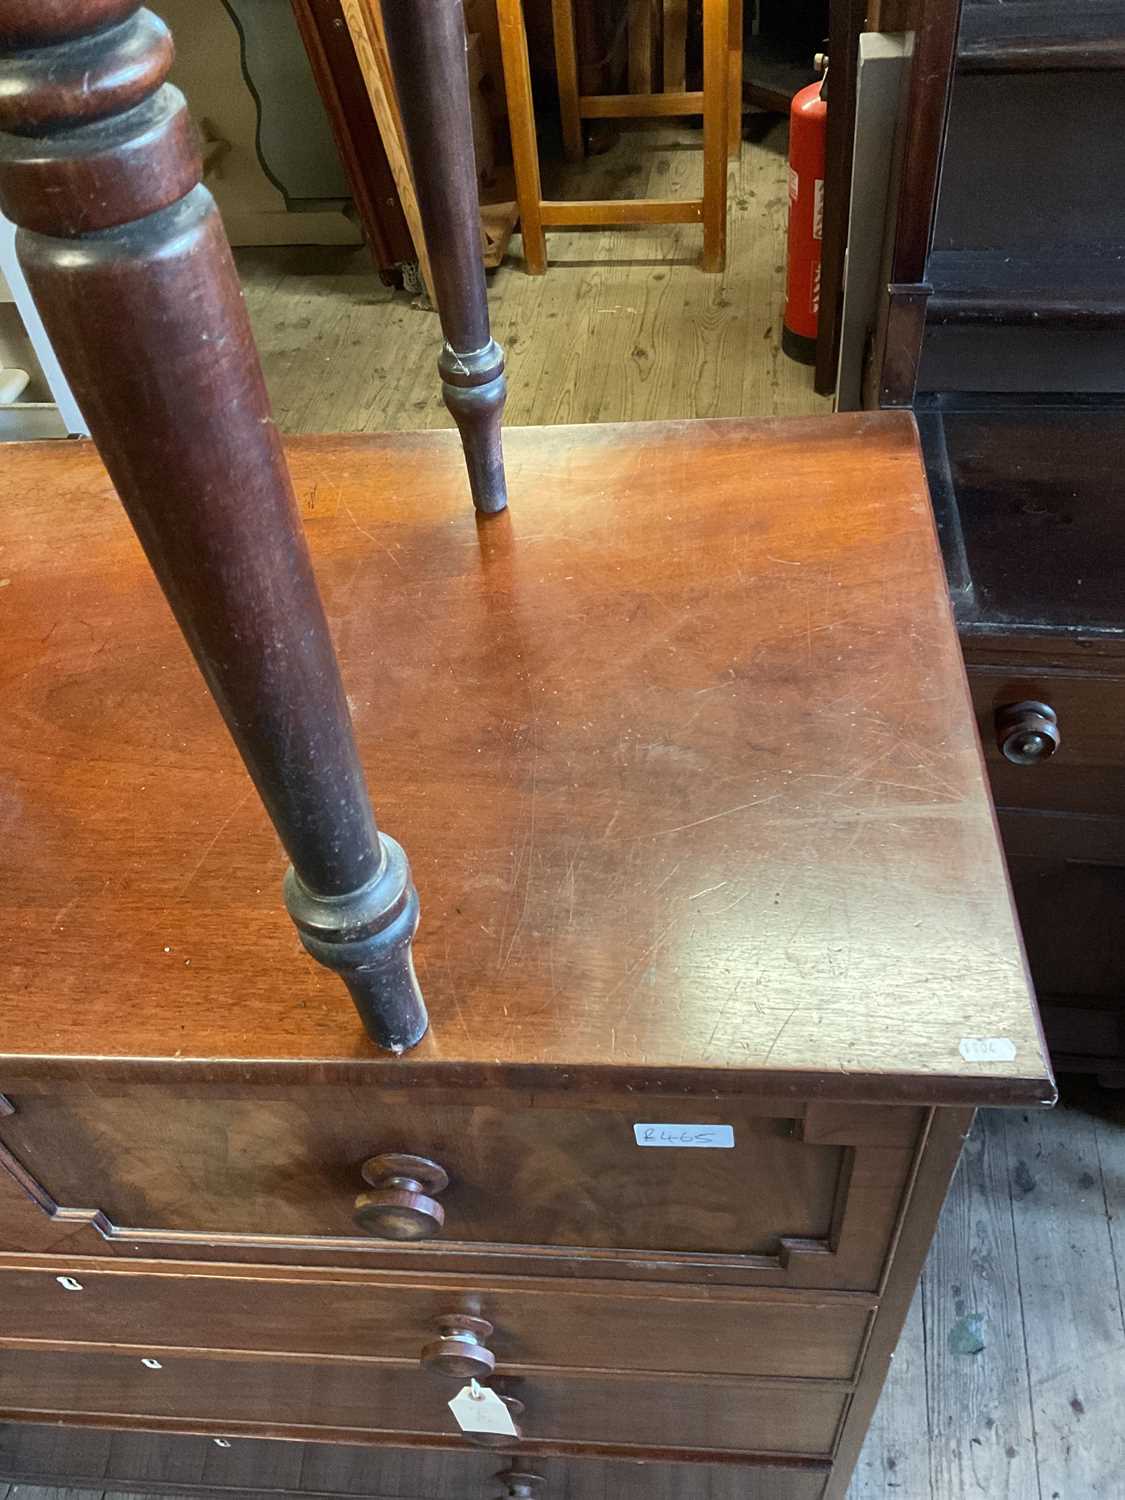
(520, 1485)
(499, 1439)
(401, 1204)
(1027, 733)
(459, 1350)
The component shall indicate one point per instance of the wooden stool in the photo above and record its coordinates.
(719, 102)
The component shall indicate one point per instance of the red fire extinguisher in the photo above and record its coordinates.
(808, 116)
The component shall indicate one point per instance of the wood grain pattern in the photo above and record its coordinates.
(642, 45)
(585, 1201)
(758, 719)
(381, 1403)
(387, 1318)
(623, 211)
(249, 1467)
(631, 106)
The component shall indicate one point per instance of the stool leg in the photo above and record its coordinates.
(734, 77)
(426, 43)
(675, 46)
(521, 123)
(566, 65)
(716, 66)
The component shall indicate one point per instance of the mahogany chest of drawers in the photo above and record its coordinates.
(716, 939)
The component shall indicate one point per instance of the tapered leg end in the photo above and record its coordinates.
(366, 938)
(474, 388)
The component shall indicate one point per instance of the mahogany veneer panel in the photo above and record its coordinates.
(101, 1458)
(288, 1396)
(667, 744)
(553, 1185)
(353, 1318)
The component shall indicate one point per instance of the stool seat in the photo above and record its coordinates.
(680, 747)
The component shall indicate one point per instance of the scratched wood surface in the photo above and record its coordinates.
(1024, 1275)
(680, 749)
(624, 327)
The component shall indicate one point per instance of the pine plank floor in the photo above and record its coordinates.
(623, 327)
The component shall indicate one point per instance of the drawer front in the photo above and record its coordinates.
(101, 1458)
(301, 1398)
(547, 1183)
(1087, 771)
(788, 1334)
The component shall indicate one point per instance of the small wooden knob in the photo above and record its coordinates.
(401, 1205)
(520, 1485)
(1027, 733)
(499, 1439)
(459, 1350)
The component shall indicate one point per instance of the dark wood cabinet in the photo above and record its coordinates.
(1004, 327)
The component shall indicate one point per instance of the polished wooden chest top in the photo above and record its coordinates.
(684, 757)
(680, 748)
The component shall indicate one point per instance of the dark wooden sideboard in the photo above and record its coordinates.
(696, 809)
(1004, 328)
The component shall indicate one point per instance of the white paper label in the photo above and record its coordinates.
(987, 1049)
(721, 1136)
(477, 1409)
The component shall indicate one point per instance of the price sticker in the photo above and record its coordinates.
(720, 1137)
(987, 1049)
(477, 1409)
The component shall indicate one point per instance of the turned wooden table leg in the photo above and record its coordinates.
(426, 41)
(126, 258)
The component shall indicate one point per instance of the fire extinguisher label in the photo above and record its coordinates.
(794, 184)
(818, 209)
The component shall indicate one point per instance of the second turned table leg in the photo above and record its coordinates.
(426, 42)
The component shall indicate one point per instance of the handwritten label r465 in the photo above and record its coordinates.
(721, 1136)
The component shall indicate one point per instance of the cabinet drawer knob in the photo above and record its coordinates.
(459, 1350)
(520, 1485)
(1027, 733)
(401, 1204)
(499, 1439)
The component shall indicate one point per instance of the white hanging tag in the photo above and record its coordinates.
(477, 1409)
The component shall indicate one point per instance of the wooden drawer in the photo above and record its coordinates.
(302, 1398)
(535, 1324)
(100, 1458)
(550, 1184)
(1087, 771)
